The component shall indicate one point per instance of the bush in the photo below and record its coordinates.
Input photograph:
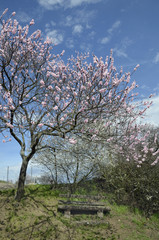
(137, 187)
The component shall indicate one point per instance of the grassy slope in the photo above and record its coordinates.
(36, 218)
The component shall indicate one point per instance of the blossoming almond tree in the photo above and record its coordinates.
(42, 96)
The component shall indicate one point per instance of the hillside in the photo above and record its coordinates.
(36, 218)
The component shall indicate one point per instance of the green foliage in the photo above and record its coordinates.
(41, 190)
(136, 187)
(120, 209)
(7, 192)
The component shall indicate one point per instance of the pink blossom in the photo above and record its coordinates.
(40, 125)
(74, 94)
(42, 82)
(44, 104)
(110, 94)
(58, 89)
(48, 40)
(3, 141)
(53, 74)
(155, 162)
(102, 90)
(32, 22)
(136, 67)
(151, 95)
(50, 87)
(138, 166)
(89, 84)
(9, 125)
(13, 14)
(6, 10)
(12, 107)
(72, 141)
(55, 108)
(14, 31)
(155, 153)
(105, 73)
(62, 119)
(83, 87)
(62, 53)
(93, 137)
(57, 99)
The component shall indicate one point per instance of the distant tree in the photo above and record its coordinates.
(42, 96)
(47, 160)
(68, 163)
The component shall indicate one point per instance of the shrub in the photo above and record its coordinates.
(137, 187)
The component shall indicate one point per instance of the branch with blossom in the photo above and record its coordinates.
(41, 95)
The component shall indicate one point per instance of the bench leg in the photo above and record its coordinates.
(100, 214)
(67, 213)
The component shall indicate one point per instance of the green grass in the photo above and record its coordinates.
(36, 218)
(120, 209)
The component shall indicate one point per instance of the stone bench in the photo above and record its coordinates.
(80, 207)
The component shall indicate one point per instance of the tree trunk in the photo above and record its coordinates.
(21, 181)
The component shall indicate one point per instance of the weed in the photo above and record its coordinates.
(120, 209)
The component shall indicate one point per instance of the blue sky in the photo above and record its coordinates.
(129, 27)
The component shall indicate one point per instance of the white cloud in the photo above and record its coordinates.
(86, 47)
(152, 115)
(105, 40)
(23, 17)
(55, 37)
(92, 34)
(120, 50)
(145, 87)
(68, 21)
(114, 27)
(110, 31)
(156, 88)
(77, 29)
(70, 43)
(75, 3)
(156, 59)
(53, 23)
(49, 4)
(79, 17)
